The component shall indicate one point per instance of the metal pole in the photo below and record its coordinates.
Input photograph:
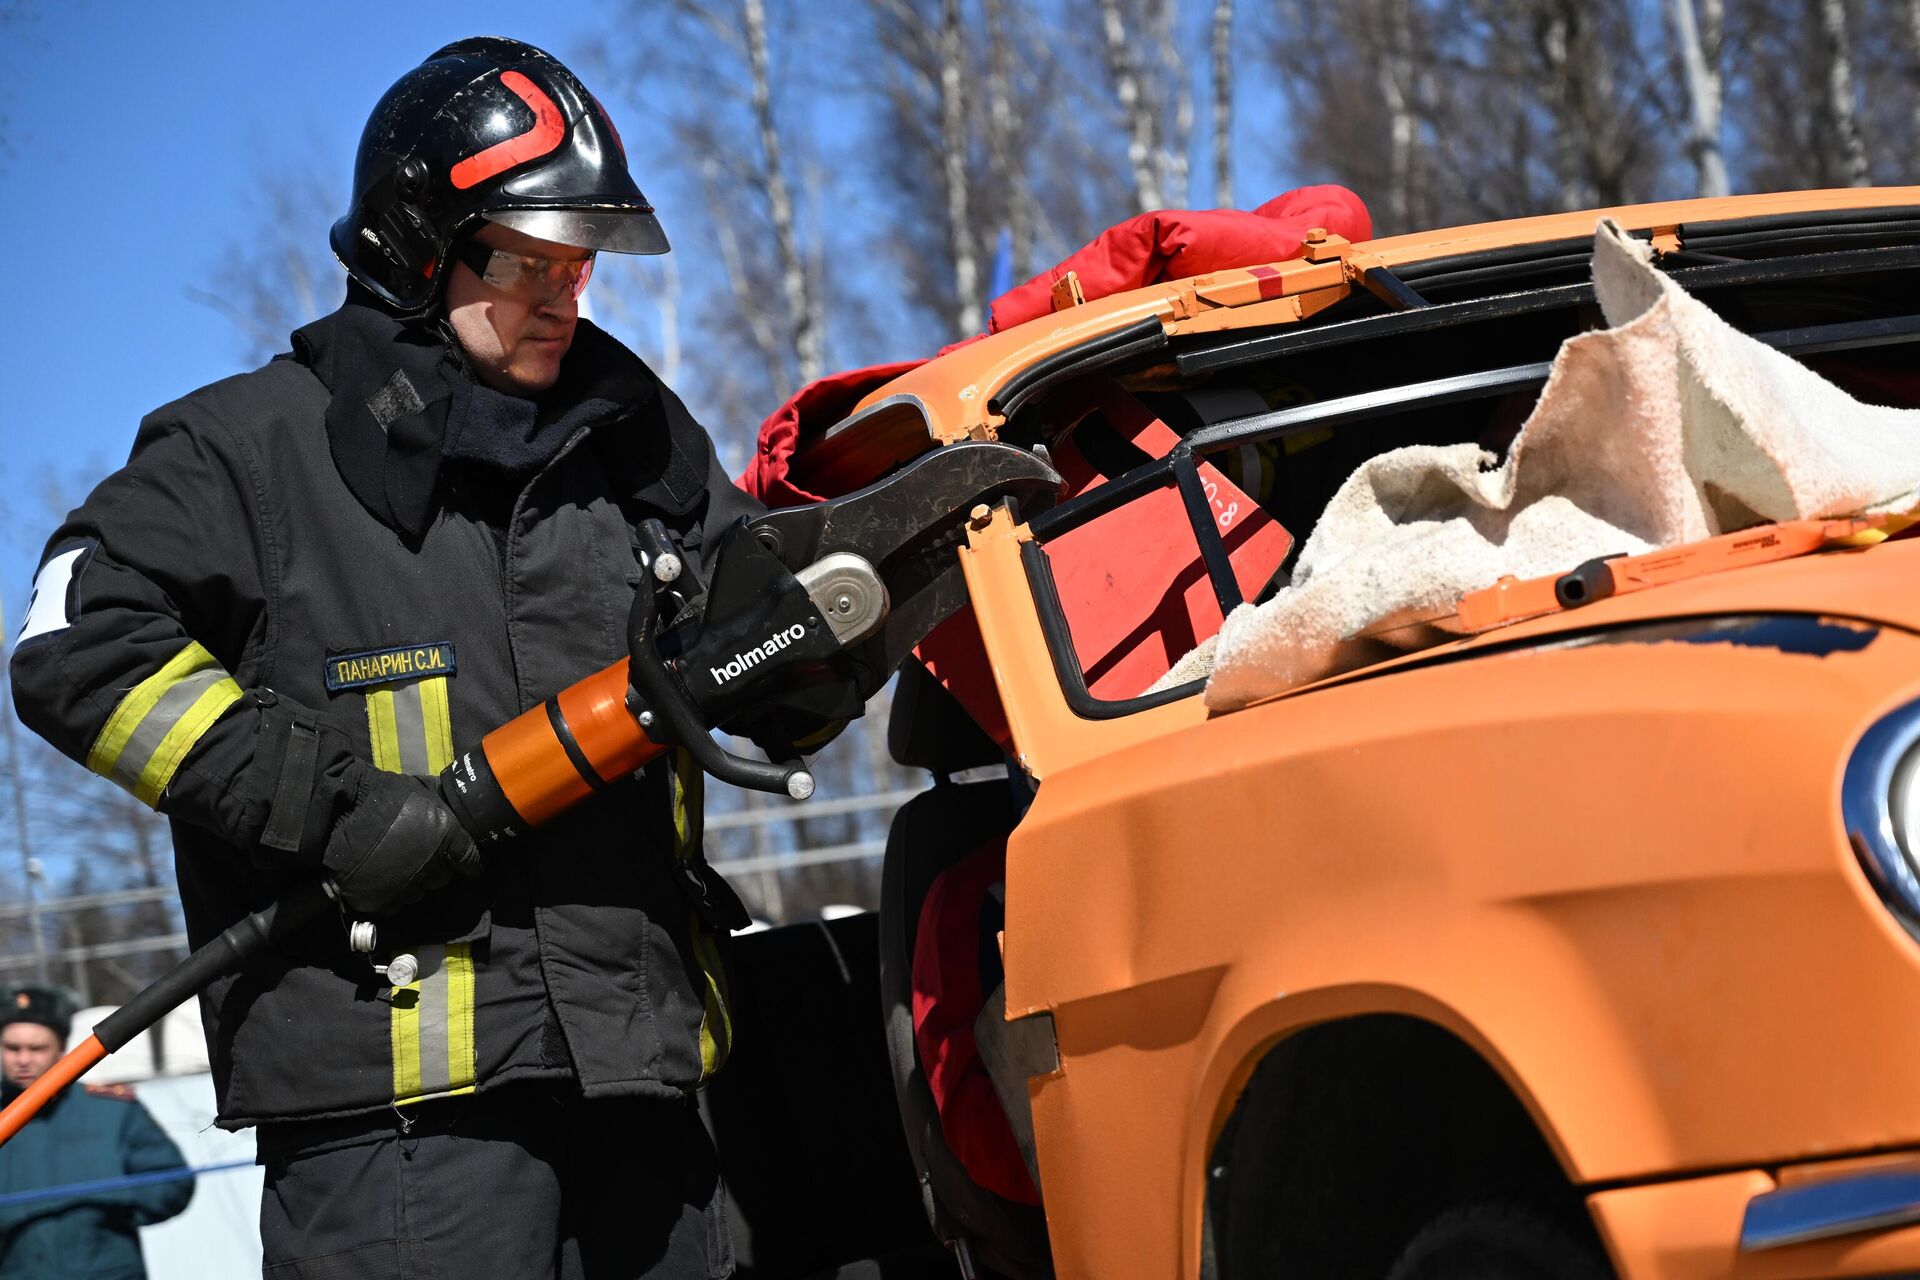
(771, 898)
(26, 850)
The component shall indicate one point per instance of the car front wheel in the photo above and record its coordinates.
(1499, 1241)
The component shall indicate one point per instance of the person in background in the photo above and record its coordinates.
(97, 1139)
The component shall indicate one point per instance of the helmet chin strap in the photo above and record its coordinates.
(444, 327)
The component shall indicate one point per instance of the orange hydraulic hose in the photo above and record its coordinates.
(71, 1067)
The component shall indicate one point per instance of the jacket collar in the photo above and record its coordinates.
(401, 403)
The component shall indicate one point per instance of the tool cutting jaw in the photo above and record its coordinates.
(811, 609)
(909, 527)
(808, 612)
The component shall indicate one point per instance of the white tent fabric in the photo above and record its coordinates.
(1668, 427)
(218, 1237)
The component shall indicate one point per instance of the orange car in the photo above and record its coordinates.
(1583, 947)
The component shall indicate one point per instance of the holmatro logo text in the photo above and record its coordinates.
(743, 662)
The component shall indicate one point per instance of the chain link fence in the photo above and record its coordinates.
(788, 861)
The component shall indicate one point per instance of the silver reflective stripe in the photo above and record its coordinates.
(410, 724)
(154, 727)
(434, 1075)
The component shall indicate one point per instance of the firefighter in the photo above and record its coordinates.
(97, 1139)
(307, 583)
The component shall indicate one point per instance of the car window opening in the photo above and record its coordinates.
(1283, 417)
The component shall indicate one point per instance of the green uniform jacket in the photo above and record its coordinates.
(85, 1136)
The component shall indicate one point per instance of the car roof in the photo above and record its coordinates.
(962, 393)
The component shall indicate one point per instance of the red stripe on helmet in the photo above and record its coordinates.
(612, 128)
(549, 127)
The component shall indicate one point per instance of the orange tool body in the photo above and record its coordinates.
(539, 775)
(1513, 600)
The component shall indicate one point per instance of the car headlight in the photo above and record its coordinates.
(1880, 803)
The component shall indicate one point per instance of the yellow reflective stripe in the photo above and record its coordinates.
(431, 1023)
(139, 701)
(405, 1027)
(716, 1022)
(151, 729)
(384, 732)
(431, 1027)
(173, 748)
(438, 719)
(411, 726)
(461, 1065)
(686, 778)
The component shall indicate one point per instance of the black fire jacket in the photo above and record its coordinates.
(234, 580)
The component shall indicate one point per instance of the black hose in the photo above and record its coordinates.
(225, 954)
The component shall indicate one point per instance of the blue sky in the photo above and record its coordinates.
(135, 136)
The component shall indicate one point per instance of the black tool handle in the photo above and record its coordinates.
(1590, 582)
(225, 954)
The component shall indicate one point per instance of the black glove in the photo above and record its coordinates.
(785, 733)
(395, 842)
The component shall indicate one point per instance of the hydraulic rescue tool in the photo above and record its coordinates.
(807, 613)
(1512, 600)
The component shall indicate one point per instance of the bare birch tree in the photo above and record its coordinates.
(928, 167)
(1006, 170)
(1379, 106)
(1910, 13)
(1843, 114)
(1796, 71)
(1173, 159)
(953, 154)
(1156, 109)
(1221, 47)
(1136, 109)
(803, 316)
(969, 143)
(1697, 44)
(1397, 88)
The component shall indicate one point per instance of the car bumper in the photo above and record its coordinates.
(1835, 1218)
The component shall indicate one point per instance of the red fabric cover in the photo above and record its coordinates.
(810, 410)
(1174, 244)
(1131, 582)
(1168, 245)
(947, 997)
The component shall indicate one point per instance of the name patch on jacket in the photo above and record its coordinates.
(377, 666)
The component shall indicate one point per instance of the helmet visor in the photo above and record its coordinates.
(610, 229)
(538, 280)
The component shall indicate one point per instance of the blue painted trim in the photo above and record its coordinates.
(79, 1189)
(1887, 1197)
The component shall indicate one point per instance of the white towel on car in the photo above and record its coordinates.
(1668, 427)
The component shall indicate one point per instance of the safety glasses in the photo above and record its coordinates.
(538, 280)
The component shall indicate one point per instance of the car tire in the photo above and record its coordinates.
(1499, 1241)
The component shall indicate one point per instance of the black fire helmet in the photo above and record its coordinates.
(487, 128)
